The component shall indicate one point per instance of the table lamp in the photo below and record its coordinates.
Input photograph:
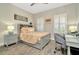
(10, 29)
(73, 28)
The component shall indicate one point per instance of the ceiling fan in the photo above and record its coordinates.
(32, 4)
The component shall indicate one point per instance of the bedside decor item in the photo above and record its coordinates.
(21, 18)
(10, 28)
(30, 24)
(73, 28)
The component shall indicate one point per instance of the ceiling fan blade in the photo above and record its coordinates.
(45, 3)
(32, 4)
(35, 3)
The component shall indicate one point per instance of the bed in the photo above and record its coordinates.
(35, 39)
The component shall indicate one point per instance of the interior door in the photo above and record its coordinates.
(47, 26)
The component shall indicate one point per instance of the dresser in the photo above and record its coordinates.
(10, 39)
(71, 41)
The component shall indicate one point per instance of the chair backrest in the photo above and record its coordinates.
(60, 39)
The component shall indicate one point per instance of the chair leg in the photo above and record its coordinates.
(55, 50)
(64, 51)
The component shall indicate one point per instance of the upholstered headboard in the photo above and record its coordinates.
(27, 29)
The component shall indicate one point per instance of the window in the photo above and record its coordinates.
(60, 22)
(40, 24)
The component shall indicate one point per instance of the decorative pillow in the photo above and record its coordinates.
(27, 29)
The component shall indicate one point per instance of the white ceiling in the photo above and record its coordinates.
(38, 7)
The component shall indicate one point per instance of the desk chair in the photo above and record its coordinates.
(61, 42)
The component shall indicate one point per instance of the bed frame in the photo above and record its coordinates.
(41, 44)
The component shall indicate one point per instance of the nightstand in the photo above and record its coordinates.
(10, 39)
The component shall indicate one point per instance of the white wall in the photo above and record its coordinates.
(7, 12)
(70, 10)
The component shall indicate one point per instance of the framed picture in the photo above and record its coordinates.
(48, 20)
(21, 18)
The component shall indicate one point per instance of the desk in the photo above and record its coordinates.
(71, 41)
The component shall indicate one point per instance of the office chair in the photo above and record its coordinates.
(60, 40)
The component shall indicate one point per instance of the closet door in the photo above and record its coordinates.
(40, 24)
(47, 25)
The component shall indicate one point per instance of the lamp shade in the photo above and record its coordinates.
(72, 28)
(10, 28)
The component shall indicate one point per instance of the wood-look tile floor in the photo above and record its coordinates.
(23, 49)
